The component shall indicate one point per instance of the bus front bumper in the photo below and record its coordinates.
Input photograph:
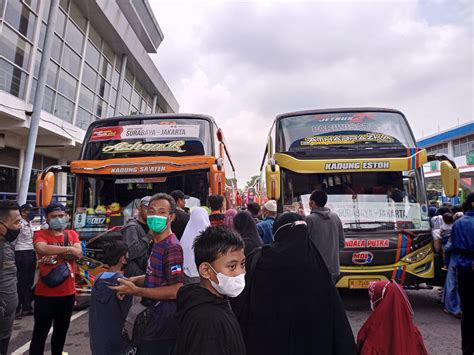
(404, 273)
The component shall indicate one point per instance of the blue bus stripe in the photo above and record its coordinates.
(399, 272)
(404, 245)
(413, 158)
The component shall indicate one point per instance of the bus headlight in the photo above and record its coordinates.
(418, 255)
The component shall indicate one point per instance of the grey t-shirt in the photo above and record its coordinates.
(7, 269)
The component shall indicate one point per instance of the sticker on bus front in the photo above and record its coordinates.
(362, 258)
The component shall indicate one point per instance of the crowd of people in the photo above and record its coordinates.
(453, 240)
(217, 281)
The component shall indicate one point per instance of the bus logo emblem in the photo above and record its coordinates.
(362, 258)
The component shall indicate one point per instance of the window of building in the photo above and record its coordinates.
(9, 158)
(77, 16)
(92, 55)
(74, 36)
(71, 61)
(57, 48)
(83, 118)
(86, 99)
(60, 23)
(67, 85)
(48, 99)
(124, 107)
(52, 75)
(8, 179)
(15, 48)
(439, 148)
(20, 18)
(12, 79)
(126, 90)
(463, 145)
(63, 108)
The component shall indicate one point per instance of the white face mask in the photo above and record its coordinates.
(231, 286)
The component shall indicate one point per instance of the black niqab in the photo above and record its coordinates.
(245, 225)
(290, 304)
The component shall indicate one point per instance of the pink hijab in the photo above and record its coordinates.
(229, 218)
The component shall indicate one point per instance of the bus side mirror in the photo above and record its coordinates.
(449, 178)
(217, 180)
(44, 189)
(272, 180)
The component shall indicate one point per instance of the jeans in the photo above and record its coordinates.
(466, 294)
(26, 266)
(49, 311)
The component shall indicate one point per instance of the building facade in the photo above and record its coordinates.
(100, 66)
(458, 144)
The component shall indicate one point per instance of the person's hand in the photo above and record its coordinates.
(126, 287)
(48, 259)
(137, 280)
(72, 254)
(76, 252)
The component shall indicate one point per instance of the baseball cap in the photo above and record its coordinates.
(55, 206)
(145, 201)
(178, 194)
(271, 206)
(26, 206)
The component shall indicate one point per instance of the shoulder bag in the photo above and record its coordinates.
(60, 273)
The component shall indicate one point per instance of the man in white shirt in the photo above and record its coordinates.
(25, 259)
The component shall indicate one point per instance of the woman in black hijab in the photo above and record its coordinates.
(245, 225)
(290, 304)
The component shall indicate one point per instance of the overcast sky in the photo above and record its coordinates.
(245, 62)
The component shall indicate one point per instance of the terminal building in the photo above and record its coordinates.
(458, 144)
(100, 47)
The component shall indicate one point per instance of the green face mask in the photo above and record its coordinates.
(157, 223)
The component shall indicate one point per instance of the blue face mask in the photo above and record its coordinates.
(57, 223)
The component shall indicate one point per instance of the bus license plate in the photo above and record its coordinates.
(361, 283)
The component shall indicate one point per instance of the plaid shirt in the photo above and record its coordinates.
(165, 265)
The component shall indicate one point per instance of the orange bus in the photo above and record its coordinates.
(124, 159)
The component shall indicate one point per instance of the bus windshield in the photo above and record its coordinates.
(363, 201)
(109, 201)
(174, 137)
(348, 130)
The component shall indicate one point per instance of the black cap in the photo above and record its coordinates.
(26, 206)
(55, 206)
(178, 194)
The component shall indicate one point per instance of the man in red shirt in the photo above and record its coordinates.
(53, 305)
(216, 203)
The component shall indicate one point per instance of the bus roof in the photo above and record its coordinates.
(344, 110)
(338, 110)
(112, 120)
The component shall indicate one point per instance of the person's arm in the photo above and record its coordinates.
(342, 239)
(456, 242)
(260, 231)
(156, 293)
(43, 248)
(136, 246)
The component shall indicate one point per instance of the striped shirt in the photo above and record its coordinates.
(165, 264)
